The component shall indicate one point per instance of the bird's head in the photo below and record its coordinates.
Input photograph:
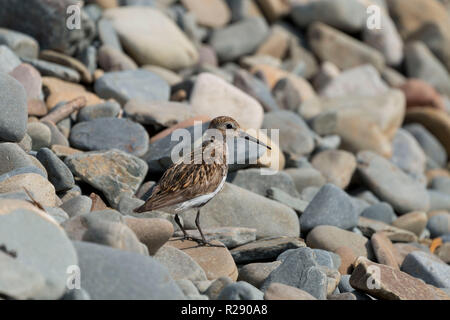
(230, 127)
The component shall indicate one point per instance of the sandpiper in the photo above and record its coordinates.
(196, 178)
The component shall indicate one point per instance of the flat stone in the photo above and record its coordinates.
(215, 261)
(413, 221)
(439, 225)
(336, 166)
(408, 154)
(40, 134)
(57, 137)
(108, 109)
(180, 264)
(12, 158)
(427, 267)
(51, 69)
(8, 60)
(111, 59)
(279, 291)
(257, 273)
(40, 245)
(143, 29)
(265, 249)
(331, 206)
(228, 101)
(384, 250)
(300, 270)
(240, 290)
(347, 256)
(58, 173)
(382, 177)
(116, 274)
(110, 133)
(30, 78)
(279, 195)
(368, 227)
(154, 233)
(403, 249)
(113, 172)
(306, 178)
(217, 286)
(213, 14)
(231, 237)
(381, 211)
(391, 284)
(77, 206)
(68, 61)
(237, 207)
(331, 238)
(13, 107)
(229, 47)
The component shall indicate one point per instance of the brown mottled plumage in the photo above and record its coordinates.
(198, 177)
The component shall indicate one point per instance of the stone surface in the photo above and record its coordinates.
(12, 158)
(110, 133)
(214, 14)
(427, 267)
(265, 249)
(384, 250)
(331, 206)
(109, 109)
(154, 233)
(240, 291)
(408, 154)
(116, 274)
(413, 221)
(382, 177)
(439, 225)
(231, 237)
(113, 172)
(336, 166)
(279, 291)
(58, 173)
(228, 101)
(132, 84)
(381, 211)
(256, 273)
(368, 227)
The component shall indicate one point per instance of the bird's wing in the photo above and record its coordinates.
(182, 182)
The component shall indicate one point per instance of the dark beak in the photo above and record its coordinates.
(248, 137)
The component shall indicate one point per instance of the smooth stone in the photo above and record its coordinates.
(231, 237)
(296, 139)
(22, 170)
(305, 178)
(39, 244)
(331, 238)
(8, 59)
(111, 59)
(368, 227)
(107, 34)
(439, 200)
(391, 284)
(76, 294)
(39, 187)
(57, 137)
(441, 184)
(214, 14)
(58, 214)
(171, 77)
(381, 211)
(68, 61)
(227, 99)
(217, 286)
(300, 270)
(346, 15)
(180, 264)
(240, 290)
(381, 177)
(154, 233)
(345, 52)
(77, 206)
(427, 267)
(443, 252)
(229, 47)
(257, 273)
(132, 84)
(407, 153)
(280, 291)
(113, 172)
(30, 78)
(403, 249)
(429, 143)
(108, 109)
(327, 259)
(158, 114)
(418, 93)
(336, 166)
(14, 109)
(384, 250)
(265, 249)
(110, 133)
(295, 203)
(143, 29)
(215, 261)
(117, 274)
(413, 221)
(40, 134)
(58, 173)
(51, 69)
(439, 225)
(253, 180)
(89, 58)
(331, 206)
(237, 207)
(347, 256)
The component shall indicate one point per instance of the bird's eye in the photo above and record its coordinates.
(229, 126)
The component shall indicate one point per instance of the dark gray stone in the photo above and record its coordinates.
(76, 294)
(381, 211)
(331, 206)
(111, 274)
(13, 109)
(132, 84)
(427, 267)
(110, 133)
(58, 173)
(51, 69)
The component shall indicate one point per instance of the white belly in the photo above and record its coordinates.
(199, 201)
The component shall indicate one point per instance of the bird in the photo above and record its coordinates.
(196, 178)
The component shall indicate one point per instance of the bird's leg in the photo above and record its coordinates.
(185, 235)
(204, 242)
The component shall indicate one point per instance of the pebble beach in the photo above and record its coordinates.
(351, 202)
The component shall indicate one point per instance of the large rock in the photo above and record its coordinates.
(214, 97)
(38, 244)
(14, 109)
(111, 274)
(110, 133)
(141, 30)
(237, 207)
(50, 23)
(114, 172)
(391, 184)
